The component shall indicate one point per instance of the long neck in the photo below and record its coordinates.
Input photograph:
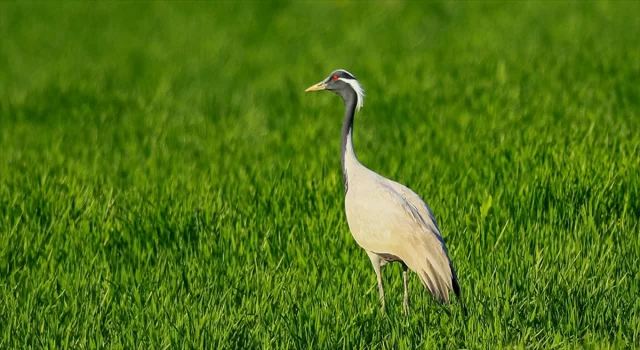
(346, 140)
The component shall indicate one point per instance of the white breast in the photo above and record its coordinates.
(374, 214)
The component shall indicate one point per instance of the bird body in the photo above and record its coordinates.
(387, 219)
(387, 224)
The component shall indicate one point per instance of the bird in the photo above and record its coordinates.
(387, 219)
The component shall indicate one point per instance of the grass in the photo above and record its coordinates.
(165, 182)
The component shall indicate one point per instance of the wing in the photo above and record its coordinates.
(428, 221)
(386, 217)
(423, 209)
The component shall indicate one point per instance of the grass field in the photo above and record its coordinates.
(165, 181)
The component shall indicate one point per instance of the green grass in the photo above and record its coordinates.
(165, 181)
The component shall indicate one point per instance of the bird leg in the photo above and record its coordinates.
(375, 261)
(381, 290)
(405, 301)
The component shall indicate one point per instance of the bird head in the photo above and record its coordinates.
(342, 83)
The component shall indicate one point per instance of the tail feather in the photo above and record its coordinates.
(454, 281)
(427, 282)
(439, 284)
(433, 282)
(456, 286)
(456, 290)
(434, 269)
(442, 289)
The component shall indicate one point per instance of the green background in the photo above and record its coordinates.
(166, 182)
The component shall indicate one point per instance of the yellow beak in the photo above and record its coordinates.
(319, 86)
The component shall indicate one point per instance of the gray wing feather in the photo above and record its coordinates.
(429, 257)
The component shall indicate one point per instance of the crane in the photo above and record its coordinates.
(387, 219)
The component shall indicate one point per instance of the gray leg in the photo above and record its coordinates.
(375, 261)
(405, 302)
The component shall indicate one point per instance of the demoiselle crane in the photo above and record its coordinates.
(387, 219)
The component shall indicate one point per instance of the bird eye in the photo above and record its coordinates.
(335, 77)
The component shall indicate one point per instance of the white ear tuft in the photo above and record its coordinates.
(358, 90)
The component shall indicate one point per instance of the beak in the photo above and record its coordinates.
(319, 86)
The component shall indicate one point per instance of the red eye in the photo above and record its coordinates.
(335, 77)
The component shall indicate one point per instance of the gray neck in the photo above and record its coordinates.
(350, 101)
